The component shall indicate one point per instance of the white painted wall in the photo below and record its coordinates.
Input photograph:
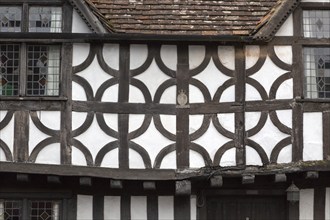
(78, 25)
(84, 207)
(112, 207)
(306, 204)
(286, 28)
(138, 207)
(7, 134)
(313, 136)
(166, 207)
(193, 207)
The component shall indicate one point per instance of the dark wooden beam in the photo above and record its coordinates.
(280, 177)
(152, 207)
(54, 179)
(319, 203)
(20, 177)
(116, 184)
(216, 181)
(85, 181)
(125, 207)
(183, 187)
(312, 175)
(248, 179)
(149, 185)
(181, 207)
(21, 136)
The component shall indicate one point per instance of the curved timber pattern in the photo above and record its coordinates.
(133, 108)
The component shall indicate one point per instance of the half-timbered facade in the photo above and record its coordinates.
(169, 109)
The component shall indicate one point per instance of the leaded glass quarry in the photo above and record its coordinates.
(45, 19)
(316, 23)
(10, 19)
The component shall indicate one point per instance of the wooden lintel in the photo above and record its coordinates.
(183, 187)
(54, 179)
(216, 181)
(280, 177)
(20, 177)
(116, 184)
(312, 175)
(149, 185)
(248, 179)
(85, 181)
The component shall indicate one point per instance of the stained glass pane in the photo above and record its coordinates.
(43, 70)
(316, 23)
(10, 19)
(317, 72)
(44, 210)
(9, 69)
(45, 19)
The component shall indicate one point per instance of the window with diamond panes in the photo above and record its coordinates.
(43, 70)
(10, 19)
(316, 23)
(10, 210)
(9, 69)
(45, 19)
(317, 72)
(44, 210)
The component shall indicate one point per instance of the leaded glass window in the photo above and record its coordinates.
(317, 72)
(10, 210)
(44, 210)
(10, 19)
(43, 70)
(316, 23)
(9, 69)
(45, 19)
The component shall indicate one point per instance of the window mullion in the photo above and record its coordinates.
(23, 70)
(25, 18)
(26, 209)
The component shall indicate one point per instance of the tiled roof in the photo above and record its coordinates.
(192, 17)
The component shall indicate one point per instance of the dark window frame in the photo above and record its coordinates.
(65, 50)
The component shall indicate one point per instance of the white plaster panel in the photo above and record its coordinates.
(2, 155)
(228, 95)
(228, 158)
(195, 95)
(135, 160)
(138, 55)
(165, 208)
(94, 75)
(169, 161)
(285, 117)
(84, 207)
(193, 208)
(111, 207)
(152, 141)
(135, 95)
(227, 121)
(169, 96)
(196, 55)
(78, 158)
(35, 136)
(7, 133)
(169, 122)
(78, 24)
(111, 94)
(212, 77)
(252, 157)
(195, 159)
(135, 122)
(306, 204)
(253, 118)
(44, 155)
(111, 159)
(111, 55)
(138, 207)
(51, 119)
(327, 203)
(285, 90)
(78, 92)
(79, 53)
(111, 120)
(227, 56)
(93, 144)
(252, 53)
(195, 122)
(286, 28)
(153, 77)
(284, 53)
(78, 118)
(251, 93)
(267, 75)
(212, 140)
(168, 53)
(268, 136)
(313, 136)
(285, 156)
